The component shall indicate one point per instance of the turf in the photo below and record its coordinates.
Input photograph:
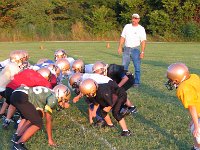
(161, 122)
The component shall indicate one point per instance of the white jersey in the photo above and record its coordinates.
(4, 63)
(88, 68)
(133, 35)
(71, 61)
(7, 74)
(100, 79)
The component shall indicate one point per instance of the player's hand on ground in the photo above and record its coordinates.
(52, 143)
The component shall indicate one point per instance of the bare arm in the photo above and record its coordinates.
(123, 81)
(194, 116)
(49, 129)
(143, 46)
(121, 43)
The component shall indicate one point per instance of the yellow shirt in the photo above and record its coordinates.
(189, 92)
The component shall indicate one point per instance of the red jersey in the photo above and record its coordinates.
(30, 78)
(53, 80)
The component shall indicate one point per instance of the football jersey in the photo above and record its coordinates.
(189, 92)
(30, 78)
(41, 97)
(88, 68)
(100, 79)
(7, 74)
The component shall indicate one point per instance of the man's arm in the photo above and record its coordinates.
(121, 43)
(123, 81)
(143, 45)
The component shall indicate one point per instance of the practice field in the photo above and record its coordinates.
(161, 122)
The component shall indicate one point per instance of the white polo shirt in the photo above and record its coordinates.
(133, 35)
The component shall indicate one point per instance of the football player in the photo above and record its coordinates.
(26, 77)
(117, 74)
(36, 103)
(108, 96)
(75, 80)
(61, 53)
(79, 66)
(188, 92)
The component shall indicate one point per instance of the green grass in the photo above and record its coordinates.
(161, 123)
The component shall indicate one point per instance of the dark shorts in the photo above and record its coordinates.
(8, 94)
(2, 93)
(20, 101)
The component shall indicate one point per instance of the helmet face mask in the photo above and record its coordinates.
(176, 73)
(78, 66)
(100, 68)
(63, 95)
(75, 80)
(60, 53)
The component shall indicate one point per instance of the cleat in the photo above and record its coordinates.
(126, 133)
(133, 109)
(99, 123)
(6, 123)
(19, 146)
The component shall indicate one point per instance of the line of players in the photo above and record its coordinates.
(35, 90)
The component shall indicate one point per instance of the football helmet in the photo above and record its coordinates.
(25, 55)
(88, 87)
(45, 72)
(62, 93)
(75, 80)
(63, 64)
(176, 73)
(16, 57)
(60, 53)
(100, 68)
(54, 69)
(78, 66)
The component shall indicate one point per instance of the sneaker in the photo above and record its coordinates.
(125, 111)
(19, 146)
(99, 123)
(6, 123)
(133, 109)
(15, 138)
(126, 133)
(3, 117)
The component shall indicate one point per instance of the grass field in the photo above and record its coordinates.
(161, 123)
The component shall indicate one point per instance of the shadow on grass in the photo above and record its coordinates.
(165, 65)
(181, 144)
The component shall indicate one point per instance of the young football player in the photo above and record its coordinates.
(188, 92)
(26, 77)
(79, 66)
(108, 96)
(122, 78)
(36, 103)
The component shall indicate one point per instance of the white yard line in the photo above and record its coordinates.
(94, 134)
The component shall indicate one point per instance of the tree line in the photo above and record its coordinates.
(164, 20)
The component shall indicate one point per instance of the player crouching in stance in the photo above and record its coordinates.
(34, 104)
(108, 96)
(188, 91)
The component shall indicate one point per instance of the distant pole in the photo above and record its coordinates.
(41, 47)
(108, 45)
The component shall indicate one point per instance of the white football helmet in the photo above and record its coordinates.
(176, 73)
(100, 68)
(78, 66)
(75, 80)
(63, 64)
(45, 72)
(88, 87)
(60, 53)
(62, 92)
